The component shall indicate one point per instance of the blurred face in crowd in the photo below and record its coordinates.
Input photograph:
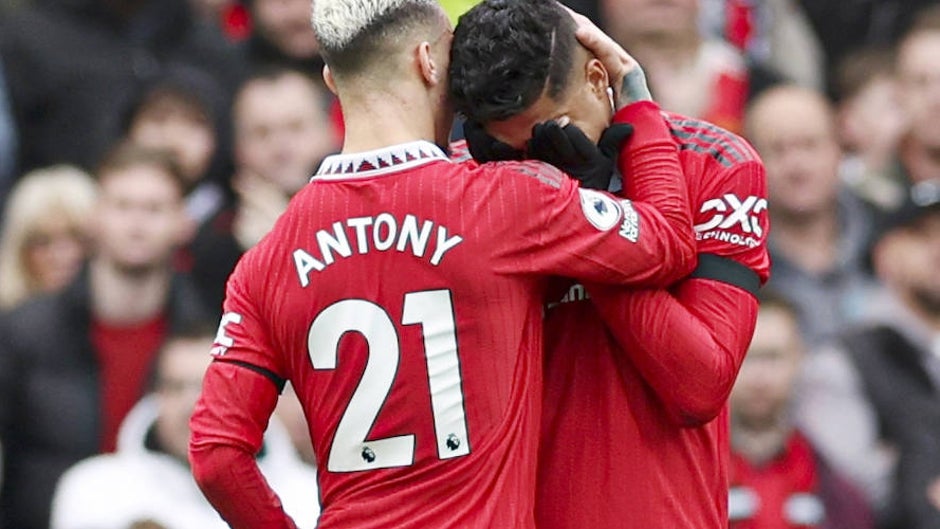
(286, 24)
(180, 369)
(793, 129)
(763, 387)
(919, 79)
(872, 118)
(907, 260)
(281, 130)
(140, 218)
(169, 123)
(55, 250)
(627, 20)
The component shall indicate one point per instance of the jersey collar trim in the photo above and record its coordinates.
(379, 162)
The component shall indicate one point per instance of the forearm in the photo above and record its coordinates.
(649, 163)
(227, 430)
(688, 346)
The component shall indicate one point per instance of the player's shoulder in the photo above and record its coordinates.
(707, 139)
(524, 171)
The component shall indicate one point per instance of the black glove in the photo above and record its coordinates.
(568, 149)
(613, 137)
(485, 148)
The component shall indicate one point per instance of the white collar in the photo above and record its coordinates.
(379, 162)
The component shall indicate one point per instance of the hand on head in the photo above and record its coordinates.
(626, 75)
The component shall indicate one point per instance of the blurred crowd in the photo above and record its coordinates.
(146, 144)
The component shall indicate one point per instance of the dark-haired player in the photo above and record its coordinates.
(628, 439)
(401, 294)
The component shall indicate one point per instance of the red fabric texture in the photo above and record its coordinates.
(125, 355)
(228, 424)
(739, 23)
(775, 483)
(519, 222)
(635, 421)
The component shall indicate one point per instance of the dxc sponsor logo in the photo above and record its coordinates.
(730, 211)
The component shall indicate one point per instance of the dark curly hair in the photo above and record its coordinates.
(506, 54)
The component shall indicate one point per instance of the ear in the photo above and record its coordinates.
(430, 71)
(595, 75)
(328, 79)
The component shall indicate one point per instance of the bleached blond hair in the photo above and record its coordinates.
(348, 29)
(61, 191)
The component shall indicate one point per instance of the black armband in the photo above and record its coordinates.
(279, 382)
(711, 266)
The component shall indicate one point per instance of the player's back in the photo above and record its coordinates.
(611, 454)
(402, 293)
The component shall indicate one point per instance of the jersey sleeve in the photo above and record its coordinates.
(590, 235)
(649, 163)
(232, 413)
(732, 221)
(227, 428)
(243, 338)
(688, 345)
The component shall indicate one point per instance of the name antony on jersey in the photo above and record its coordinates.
(381, 233)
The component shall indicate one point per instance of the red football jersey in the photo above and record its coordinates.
(782, 493)
(401, 294)
(617, 450)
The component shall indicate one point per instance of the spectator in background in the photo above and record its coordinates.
(74, 363)
(772, 33)
(8, 144)
(72, 65)
(148, 477)
(44, 234)
(919, 479)
(778, 480)
(185, 112)
(876, 394)
(231, 16)
(283, 37)
(280, 136)
(918, 63)
(871, 123)
(690, 74)
(843, 27)
(820, 231)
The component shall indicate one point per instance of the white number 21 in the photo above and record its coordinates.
(433, 310)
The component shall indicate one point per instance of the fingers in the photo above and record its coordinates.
(550, 143)
(613, 137)
(485, 148)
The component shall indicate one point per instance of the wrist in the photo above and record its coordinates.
(633, 88)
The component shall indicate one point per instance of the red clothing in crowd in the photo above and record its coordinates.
(794, 490)
(126, 355)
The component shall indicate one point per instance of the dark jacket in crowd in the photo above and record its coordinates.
(71, 65)
(50, 398)
(902, 382)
